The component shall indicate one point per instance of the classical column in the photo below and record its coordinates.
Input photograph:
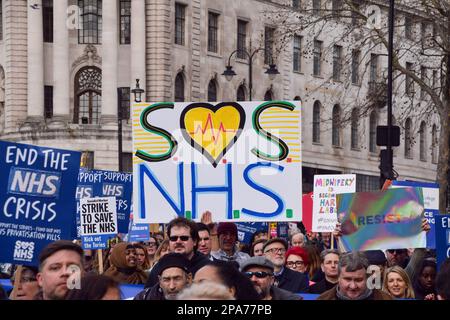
(35, 42)
(109, 62)
(138, 45)
(61, 79)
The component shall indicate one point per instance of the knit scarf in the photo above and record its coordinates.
(364, 296)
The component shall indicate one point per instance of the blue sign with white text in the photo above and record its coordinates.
(37, 199)
(431, 204)
(247, 229)
(139, 232)
(442, 238)
(101, 183)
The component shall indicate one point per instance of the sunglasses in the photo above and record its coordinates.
(258, 274)
(183, 238)
(398, 251)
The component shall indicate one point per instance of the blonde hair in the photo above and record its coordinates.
(206, 290)
(409, 292)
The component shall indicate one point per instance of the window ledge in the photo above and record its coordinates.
(317, 144)
(338, 147)
(214, 54)
(356, 149)
(318, 76)
(298, 72)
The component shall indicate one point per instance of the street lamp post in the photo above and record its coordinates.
(229, 73)
(386, 159)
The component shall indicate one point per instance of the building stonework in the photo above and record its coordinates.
(159, 61)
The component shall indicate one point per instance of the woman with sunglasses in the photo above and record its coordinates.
(124, 268)
(151, 246)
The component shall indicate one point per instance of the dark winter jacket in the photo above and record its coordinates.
(376, 295)
(321, 287)
(280, 294)
(151, 293)
(198, 261)
(292, 281)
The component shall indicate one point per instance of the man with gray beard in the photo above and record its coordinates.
(173, 277)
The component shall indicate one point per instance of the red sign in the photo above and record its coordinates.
(307, 207)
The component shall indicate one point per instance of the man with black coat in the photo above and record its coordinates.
(285, 278)
(173, 277)
(183, 238)
(329, 266)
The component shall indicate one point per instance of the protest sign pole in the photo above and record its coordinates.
(100, 261)
(332, 241)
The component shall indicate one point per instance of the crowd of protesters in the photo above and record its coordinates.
(206, 261)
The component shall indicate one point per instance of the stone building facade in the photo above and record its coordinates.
(61, 85)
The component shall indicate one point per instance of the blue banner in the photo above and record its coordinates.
(139, 232)
(101, 183)
(37, 199)
(430, 202)
(247, 229)
(442, 238)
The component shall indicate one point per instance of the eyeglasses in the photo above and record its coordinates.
(276, 250)
(150, 244)
(258, 274)
(295, 263)
(183, 238)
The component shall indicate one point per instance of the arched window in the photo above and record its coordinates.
(373, 123)
(212, 91)
(408, 139)
(88, 95)
(423, 141)
(179, 88)
(240, 95)
(434, 144)
(268, 96)
(354, 129)
(316, 121)
(336, 123)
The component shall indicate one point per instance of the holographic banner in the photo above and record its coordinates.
(382, 220)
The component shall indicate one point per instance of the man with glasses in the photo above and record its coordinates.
(285, 278)
(260, 272)
(183, 238)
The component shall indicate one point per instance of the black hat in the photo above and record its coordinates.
(173, 260)
(376, 257)
(274, 240)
